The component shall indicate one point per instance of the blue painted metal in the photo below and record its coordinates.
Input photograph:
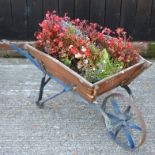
(43, 83)
(121, 122)
(38, 65)
(52, 96)
(114, 118)
(134, 126)
(115, 106)
(129, 137)
(28, 56)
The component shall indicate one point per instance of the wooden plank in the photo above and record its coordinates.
(50, 5)
(142, 19)
(82, 9)
(152, 24)
(5, 19)
(151, 36)
(62, 72)
(128, 16)
(19, 13)
(97, 11)
(122, 78)
(66, 6)
(35, 16)
(113, 13)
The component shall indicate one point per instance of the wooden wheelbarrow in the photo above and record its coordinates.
(122, 118)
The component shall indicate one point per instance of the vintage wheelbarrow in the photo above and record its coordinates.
(122, 118)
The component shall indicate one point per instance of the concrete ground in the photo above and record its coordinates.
(63, 127)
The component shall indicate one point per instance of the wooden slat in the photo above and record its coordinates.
(50, 5)
(82, 9)
(35, 16)
(152, 24)
(142, 19)
(66, 6)
(83, 87)
(57, 69)
(113, 13)
(122, 78)
(97, 11)
(151, 35)
(128, 16)
(19, 13)
(5, 19)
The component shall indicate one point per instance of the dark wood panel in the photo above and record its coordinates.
(82, 9)
(153, 15)
(128, 15)
(35, 16)
(113, 13)
(50, 5)
(19, 18)
(66, 6)
(142, 19)
(19, 14)
(5, 19)
(97, 11)
(151, 35)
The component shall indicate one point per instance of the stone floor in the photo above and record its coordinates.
(64, 126)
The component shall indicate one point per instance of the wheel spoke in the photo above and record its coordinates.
(115, 106)
(118, 129)
(114, 118)
(129, 138)
(134, 126)
(127, 110)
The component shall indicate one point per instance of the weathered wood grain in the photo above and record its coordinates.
(82, 86)
(35, 16)
(5, 19)
(66, 6)
(19, 17)
(97, 11)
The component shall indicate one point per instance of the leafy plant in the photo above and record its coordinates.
(85, 47)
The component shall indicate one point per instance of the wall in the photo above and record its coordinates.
(19, 18)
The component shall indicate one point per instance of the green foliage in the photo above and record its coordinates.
(104, 68)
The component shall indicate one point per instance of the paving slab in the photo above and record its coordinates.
(63, 127)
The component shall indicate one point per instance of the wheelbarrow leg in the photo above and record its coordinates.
(41, 91)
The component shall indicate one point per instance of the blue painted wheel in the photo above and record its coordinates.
(127, 125)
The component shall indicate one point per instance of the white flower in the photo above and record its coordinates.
(78, 55)
(70, 46)
(83, 49)
(85, 61)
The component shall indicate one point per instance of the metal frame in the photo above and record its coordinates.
(108, 118)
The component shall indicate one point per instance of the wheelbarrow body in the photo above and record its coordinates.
(83, 87)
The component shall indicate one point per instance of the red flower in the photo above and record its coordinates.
(88, 53)
(56, 27)
(74, 50)
(56, 40)
(73, 37)
(44, 24)
(100, 36)
(61, 34)
(40, 36)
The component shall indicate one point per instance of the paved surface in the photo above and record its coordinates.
(63, 127)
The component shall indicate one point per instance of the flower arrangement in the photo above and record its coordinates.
(89, 49)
